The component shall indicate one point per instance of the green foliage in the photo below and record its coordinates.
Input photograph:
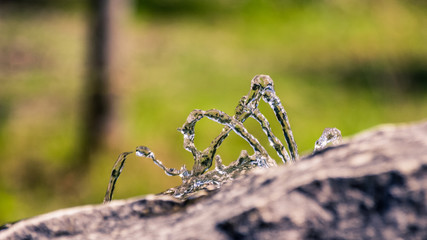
(31, 5)
(345, 64)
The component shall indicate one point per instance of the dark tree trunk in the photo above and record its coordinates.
(96, 103)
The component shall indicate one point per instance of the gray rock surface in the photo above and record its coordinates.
(373, 186)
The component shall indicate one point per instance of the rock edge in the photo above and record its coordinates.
(373, 186)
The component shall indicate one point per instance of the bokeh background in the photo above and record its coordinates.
(348, 64)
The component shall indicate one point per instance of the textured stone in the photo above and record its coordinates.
(373, 186)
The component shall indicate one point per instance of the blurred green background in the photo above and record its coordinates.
(346, 64)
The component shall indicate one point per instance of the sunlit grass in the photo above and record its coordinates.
(172, 66)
